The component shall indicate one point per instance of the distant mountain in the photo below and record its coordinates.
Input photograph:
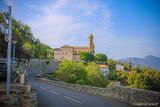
(148, 61)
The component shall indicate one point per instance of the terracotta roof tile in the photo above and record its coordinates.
(103, 66)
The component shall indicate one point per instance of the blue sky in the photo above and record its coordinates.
(121, 28)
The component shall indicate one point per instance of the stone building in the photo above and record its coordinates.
(68, 52)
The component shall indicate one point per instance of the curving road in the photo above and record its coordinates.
(52, 96)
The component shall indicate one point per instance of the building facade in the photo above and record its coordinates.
(68, 52)
(119, 67)
(104, 69)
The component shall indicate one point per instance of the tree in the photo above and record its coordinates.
(86, 57)
(131, 77)
(148, 79)
(112, 75)
(94, 75)
(126, 67)
(72, 72)
(151, 79)
(27, 46)
(122, 77)
(101, 58)
(112, 64)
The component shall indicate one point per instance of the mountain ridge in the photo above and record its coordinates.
(147, 61)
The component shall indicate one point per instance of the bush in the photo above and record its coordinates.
(70, 71)
(81, 82)
(112, 75)
(94, 75)
(148, 79)
(77, 73)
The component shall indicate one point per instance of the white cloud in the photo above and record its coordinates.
(9, 2)
(69, 21)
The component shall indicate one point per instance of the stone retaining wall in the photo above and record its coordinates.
(42, 66)
(133, 96)
(20, 96)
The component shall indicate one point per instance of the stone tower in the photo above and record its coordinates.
(91, 44)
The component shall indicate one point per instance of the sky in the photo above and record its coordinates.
(121, 28)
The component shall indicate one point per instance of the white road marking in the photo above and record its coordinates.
(54, 92)
(43, 87)
(72, 99)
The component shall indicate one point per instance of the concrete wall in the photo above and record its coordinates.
(41, 66)
(130, 95)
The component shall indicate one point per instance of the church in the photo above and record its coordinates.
(68, 52)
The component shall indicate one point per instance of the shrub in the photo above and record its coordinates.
(70, 71)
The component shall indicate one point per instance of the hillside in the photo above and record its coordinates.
(27, 45)
(147, 61)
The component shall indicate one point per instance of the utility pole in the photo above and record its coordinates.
(9, 51)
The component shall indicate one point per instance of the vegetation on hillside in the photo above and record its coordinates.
(90, 74)
(78, 73)
(135, 76)
(27, 45)
(147, 79)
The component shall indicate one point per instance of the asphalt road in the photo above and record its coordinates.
(52, 96)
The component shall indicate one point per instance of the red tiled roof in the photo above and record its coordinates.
(103, 66)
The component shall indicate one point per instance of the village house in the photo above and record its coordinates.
(104, 69)
(119, 67)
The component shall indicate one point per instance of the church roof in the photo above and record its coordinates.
(57, 49)
(80, 46)
(68, 46)
(65, 46)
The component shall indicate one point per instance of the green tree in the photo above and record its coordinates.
(101, 58)
(122, 77)
(94, 75)
(131, 77)
(72, 72)
(147, 79)
(112, 64)
(27, 46)
(86, 57)
(113, 75)
(139, 81)
(151, 79)
(126, 67)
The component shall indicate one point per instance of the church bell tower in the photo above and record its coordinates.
(91, 44)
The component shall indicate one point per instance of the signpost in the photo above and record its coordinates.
(9, 51)
(6, 29)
